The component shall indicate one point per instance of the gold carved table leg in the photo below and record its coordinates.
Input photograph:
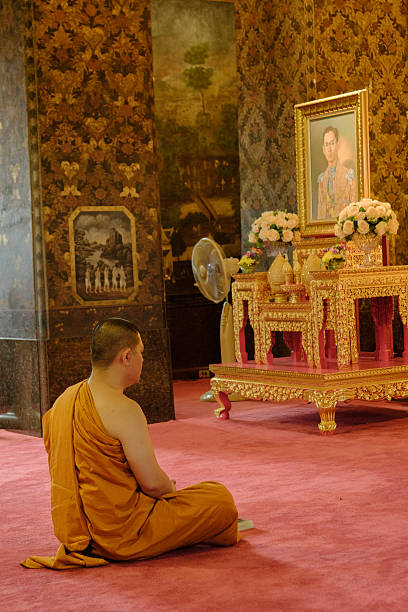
(240, 321)
(343, 316)
(316, 344)
(307, 343)
(256, 326)
(326, 402)
(319, 312)
(254, 316)
(224, 405)
(267, 341)
(353, 331)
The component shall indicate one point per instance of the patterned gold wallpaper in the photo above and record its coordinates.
(95, 111)
(304, 50)
(364, 44)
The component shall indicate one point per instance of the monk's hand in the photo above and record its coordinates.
(174, 484)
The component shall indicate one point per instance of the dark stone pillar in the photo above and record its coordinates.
(77, 162)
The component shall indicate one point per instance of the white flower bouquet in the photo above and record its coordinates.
(367, 217)
(273, 226)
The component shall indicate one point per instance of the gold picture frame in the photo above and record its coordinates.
(332, 159)
(103, 255)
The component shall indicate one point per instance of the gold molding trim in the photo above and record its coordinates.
(345, 375)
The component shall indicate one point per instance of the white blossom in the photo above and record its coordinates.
(348, 227)
(273, 235)
(263, 228)
(365, 216)
(392, 226)
(338, 231)
(363, 227)
(343, 214)
(381, 228)
(372, 213)
(353, 210)
(287, 235)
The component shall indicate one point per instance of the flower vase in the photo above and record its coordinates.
(367, 243)
(272, 249)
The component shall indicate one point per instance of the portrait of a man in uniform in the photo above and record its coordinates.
(332, 159)
(337, 185)
(332, 165)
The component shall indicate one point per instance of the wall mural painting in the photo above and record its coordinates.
(103, 255)
(195, 85)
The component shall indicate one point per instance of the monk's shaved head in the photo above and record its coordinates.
(110, 337)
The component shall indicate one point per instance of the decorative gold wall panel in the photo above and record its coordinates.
(304, 50)
(95, 95)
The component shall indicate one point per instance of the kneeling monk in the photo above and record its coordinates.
(110, 500)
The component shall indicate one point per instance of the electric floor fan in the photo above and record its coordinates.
(212, 273)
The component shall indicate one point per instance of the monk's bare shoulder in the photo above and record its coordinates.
(127, 417)
(119, 414)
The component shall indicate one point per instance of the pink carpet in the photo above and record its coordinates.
(330, 514)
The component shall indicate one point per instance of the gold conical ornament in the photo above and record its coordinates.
(287, 271)
(312, 264)
(276, 278)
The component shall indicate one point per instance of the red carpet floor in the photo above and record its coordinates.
(330, 514)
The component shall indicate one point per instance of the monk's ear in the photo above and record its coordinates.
(125, 355)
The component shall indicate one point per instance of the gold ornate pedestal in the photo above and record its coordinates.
(340, 289)
(249, 292)
(367, 380)
(326, 365)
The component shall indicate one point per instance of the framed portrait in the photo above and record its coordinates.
(332, 159)
(103, 255)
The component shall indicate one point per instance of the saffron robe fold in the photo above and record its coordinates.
(98, 509)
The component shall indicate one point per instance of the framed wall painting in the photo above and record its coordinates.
(103, 255)
(332, 159)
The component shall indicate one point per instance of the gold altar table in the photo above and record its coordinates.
(340, 289)
(332, 305)
(319, 379)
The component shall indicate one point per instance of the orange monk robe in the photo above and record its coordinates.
(98, 509)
